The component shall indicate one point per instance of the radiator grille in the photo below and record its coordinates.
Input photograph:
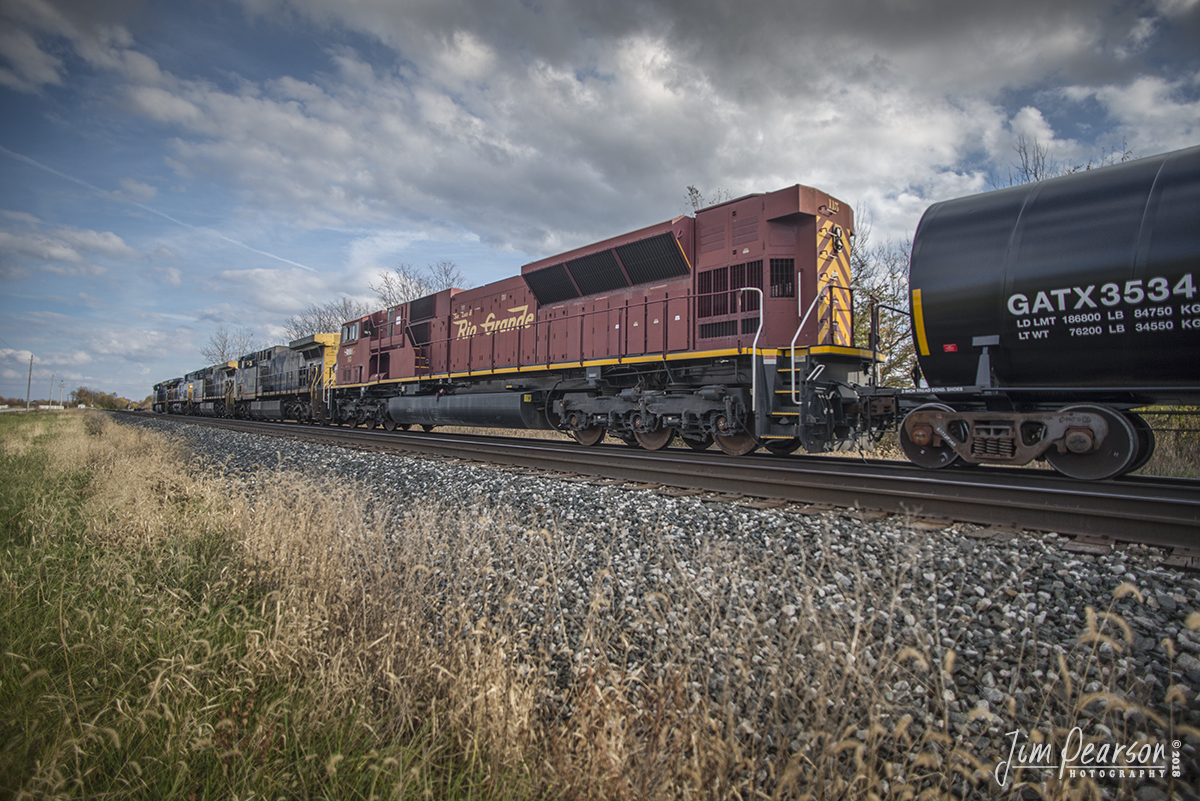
(725, 328)
(653, 259)
(422, 308)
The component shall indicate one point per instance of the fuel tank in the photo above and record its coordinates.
(1087, 280)
(486, 410)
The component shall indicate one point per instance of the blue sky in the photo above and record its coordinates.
(166, 167)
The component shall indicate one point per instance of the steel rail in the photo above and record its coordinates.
(1158, 513)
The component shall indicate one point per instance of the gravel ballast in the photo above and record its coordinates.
(1006, 604)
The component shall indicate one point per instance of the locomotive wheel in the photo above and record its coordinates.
(737, 444)
(588, 436)
(630, 441)
(1114, 456)
(389, 424)
(655, 440)
(1146, 441)
(701, 444)
(782, 447)
(372, 423)
(929, 456)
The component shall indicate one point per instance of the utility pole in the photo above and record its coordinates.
(29, 384)
(51, 396)
(60, 390)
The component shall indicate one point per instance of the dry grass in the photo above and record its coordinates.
(1178, 443)
(172, 635)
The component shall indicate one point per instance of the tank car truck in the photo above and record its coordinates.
(1044, 314)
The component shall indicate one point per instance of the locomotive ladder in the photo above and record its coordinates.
(816, 373)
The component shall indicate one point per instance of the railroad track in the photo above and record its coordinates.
(1159, 512)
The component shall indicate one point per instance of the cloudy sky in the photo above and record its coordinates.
(168, 166)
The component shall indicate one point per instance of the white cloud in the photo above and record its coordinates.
(83, 270)
(540, 130)
(381, 250)
(280, 291)
(64, 245)
(38, 246)
(1152, 114)
(70, 359)
(1030, 123)
(1174, 8)
(105, 243)
(135, 191)
(21, 216)
(172, 275)
(31, 67)
(18, 355)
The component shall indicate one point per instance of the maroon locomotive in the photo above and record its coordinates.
(735, 326)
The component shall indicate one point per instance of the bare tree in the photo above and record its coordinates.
(226, 346)
(405, 282)
(696, 199)
(444, 274)
(1034, 163)
(320, 318)
(879, 274)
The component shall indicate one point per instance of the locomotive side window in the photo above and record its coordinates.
(350, 332)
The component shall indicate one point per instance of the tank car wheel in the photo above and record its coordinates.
(701, 444)
(389, 424)
(928, 455)
(1146, 441)
(1114, 456)
(403, 426)
(782, 447)
(737, 444)
(629, 441)
(426, 427)
(655, 440)
(588, 436)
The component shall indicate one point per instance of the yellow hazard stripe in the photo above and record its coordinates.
(919, 322)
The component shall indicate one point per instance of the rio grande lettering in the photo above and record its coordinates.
(520, 317)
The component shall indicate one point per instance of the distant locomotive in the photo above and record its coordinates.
(277, 383)
(1042, 315)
